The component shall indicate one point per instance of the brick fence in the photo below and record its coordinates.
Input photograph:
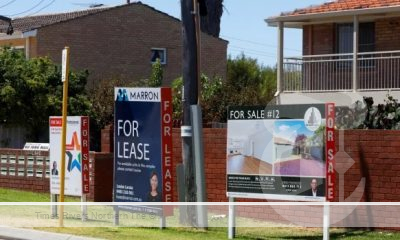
(30, 170)
(372, 155)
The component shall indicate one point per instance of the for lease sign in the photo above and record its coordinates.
(143, 147)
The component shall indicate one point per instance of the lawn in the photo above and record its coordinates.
(145, 227)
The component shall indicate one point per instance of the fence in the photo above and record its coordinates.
(334, 72)
(372, 155)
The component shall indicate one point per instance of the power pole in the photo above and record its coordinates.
(190, 96)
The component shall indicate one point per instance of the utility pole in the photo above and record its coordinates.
(190, 97)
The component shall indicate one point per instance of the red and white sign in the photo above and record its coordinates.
(166, 132)
(85, 154)
(76, 155)
(330, 151)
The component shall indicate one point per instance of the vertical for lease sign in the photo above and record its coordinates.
(143, 147)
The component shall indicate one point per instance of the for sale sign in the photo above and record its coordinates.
(76, 155)
(143, 147)
(283, 152)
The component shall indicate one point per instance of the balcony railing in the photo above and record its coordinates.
(334, 72)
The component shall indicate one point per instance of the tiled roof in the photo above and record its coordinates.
(341, 5)
(33, 22)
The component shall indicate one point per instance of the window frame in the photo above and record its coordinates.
(162, 61)
(362, 27)
(362, 46)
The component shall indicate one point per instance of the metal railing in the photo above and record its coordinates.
(334, 72)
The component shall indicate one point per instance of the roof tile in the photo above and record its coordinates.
(340, 5)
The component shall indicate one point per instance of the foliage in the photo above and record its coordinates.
(247, 83)
(102, 111)
(211, 90)
(317, 139)
(177, 91)
(384, 116)
(31, 91)
(156, 76)
(211, 22)
(367, 116)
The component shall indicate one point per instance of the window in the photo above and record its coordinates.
(366, 41)
(160, 53)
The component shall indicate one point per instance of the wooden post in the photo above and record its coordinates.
(64, 78)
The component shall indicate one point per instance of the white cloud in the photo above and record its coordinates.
(284, 128)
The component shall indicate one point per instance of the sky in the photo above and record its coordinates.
(242, 23)
(290, 129)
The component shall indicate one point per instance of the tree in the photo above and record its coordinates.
(102, 108)
(211, 92)
(247, 83)
(31, 91)
(156, 76)
(211, 22)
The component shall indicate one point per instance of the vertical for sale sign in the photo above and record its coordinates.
(76, 155)
(143, 147)
(330, 151)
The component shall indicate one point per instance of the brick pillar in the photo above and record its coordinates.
(107, 139)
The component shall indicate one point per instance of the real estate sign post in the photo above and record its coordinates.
(143, 148)
(75, 181)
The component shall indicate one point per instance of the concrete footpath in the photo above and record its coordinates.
(8, 233)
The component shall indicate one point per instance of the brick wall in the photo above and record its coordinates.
(101, 177)
(318, 39)
(322, 40)
(387, 35)
(118, 42)
(372, 155)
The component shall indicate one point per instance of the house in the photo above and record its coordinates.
(120, 41)
(351, 49)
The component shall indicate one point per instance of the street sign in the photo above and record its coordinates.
(64, 65)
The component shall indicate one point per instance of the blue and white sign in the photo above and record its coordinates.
(143, 145)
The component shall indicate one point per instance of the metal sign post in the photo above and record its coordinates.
(198, 153)
(64, 78)
(231, 219)
(53, 208)
(326, 221)
(84, 208)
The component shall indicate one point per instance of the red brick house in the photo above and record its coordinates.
(119, 41)
(351, 49)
